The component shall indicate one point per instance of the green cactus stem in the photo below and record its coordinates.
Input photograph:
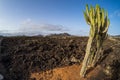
(99, 23)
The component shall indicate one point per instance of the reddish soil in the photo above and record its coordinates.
(69, 73)
(63, 73)
(55, 58)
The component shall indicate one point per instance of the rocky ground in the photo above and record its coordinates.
(55, 58)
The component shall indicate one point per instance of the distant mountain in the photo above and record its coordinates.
(5, 34)
(114, 35)
(61, 34)
(34, 34)
(20, 34)
(117, 35)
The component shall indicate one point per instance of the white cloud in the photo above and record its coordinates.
(115, 14)
(29, 26)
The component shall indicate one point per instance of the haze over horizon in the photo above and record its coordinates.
(53, 16)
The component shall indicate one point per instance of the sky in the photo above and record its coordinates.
(53, 16)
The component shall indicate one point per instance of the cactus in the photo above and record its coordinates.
(99, 23)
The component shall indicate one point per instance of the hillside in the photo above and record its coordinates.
(55, 58)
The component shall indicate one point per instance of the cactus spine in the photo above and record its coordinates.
(99, 23)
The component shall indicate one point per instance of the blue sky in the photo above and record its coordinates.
(53, 16)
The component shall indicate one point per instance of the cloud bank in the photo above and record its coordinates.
(29, 26)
